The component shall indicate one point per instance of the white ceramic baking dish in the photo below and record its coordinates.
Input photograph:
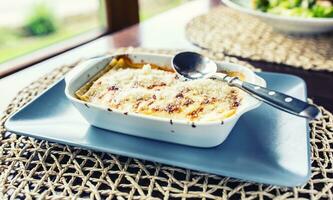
(201, 134)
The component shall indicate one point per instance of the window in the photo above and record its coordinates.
(29, 25)
(32, 26)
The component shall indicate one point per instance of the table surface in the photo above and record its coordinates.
(164, 31)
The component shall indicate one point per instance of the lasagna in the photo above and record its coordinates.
(153, 90)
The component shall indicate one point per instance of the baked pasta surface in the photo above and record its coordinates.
(158, 91)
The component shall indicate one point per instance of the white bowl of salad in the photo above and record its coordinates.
(290, 16)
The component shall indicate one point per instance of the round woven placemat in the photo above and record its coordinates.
(226, 30)
(37, 169)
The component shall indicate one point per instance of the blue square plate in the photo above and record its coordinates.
(266, 145)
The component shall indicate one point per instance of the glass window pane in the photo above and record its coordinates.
(28, 25)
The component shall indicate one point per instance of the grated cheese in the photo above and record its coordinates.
(161, 93)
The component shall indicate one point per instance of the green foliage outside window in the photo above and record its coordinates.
(41, 22)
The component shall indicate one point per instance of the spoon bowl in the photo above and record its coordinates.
(192, 65)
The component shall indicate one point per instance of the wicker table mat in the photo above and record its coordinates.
(32, 168)
(237, 34)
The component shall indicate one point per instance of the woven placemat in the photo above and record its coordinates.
(225, 30)
(37, 169)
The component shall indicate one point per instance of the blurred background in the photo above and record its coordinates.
(29, 25)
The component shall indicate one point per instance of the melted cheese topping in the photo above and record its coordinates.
(161, 93)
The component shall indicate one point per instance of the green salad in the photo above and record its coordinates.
(298, 8)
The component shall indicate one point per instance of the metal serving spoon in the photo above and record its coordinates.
(192, 65)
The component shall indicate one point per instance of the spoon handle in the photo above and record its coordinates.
(277, 99)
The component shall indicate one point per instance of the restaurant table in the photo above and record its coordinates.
(164, 31)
